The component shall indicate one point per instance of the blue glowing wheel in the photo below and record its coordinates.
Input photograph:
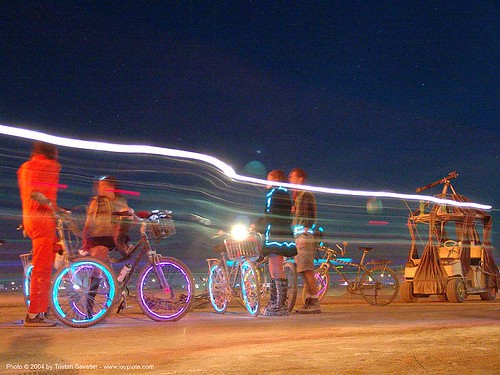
(27, 283)
(83, 293)
(250, 287)
(218, 287)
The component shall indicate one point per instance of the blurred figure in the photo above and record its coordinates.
(304, 223)
(40, 174)
(278, 242)
(103, 230)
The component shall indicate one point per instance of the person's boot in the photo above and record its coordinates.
(307, 302)
(282, 289)
(271, 305)
(280, 307)
(312, 307)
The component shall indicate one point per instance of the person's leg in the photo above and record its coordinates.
(282, 295)
(102, 253)
(276, 266)
(305, 265)
(277, 302)
(43, 258)
(310, 282)
(300, 261)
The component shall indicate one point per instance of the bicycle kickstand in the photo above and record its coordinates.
(123, 303)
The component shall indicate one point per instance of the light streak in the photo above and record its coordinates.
(378, 222)
(125, 192)
(223, 167)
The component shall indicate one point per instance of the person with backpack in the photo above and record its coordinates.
(104, 230)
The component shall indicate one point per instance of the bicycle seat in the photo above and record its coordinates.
(367, 249)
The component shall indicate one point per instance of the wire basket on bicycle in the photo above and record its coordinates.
(160, 224)
(247, 248)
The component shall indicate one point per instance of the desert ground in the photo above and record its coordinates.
(349, 337)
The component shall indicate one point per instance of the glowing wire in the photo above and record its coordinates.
(223, 167)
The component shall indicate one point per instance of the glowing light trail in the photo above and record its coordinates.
(223, 167)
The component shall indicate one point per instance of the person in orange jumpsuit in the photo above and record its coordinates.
(40, 174)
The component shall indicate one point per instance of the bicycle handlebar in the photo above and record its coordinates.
(42, 199)
(341, 250)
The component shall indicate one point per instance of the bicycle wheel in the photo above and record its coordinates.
(83, 293)
(379, 285)
(322, 277)
(218, 287)
(250, 287)
(27, 283)
(292, 279)
(167, 296)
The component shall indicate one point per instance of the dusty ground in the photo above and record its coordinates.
(349, 337)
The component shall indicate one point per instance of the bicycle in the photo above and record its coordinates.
(84, 291)
(223, 276)
(290, 273)
(165, 286)
(374, 280)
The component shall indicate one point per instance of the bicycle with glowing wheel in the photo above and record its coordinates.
(374, 280)
(84, 290)
(165, 285)
(75, 277)
(69, 233)
(235, 274)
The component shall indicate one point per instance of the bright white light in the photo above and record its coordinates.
(239, 232)
(223, 167)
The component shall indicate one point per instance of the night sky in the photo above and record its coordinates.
(377, 95)
(382, 95)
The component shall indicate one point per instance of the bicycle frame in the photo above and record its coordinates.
(231, 273)
(165, 286)
(223, 280)
(148, 252)
(377, 283)
(361, 267)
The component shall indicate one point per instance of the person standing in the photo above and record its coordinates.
(278, 242)
(103, 230)
(40, 174)
(304, 222)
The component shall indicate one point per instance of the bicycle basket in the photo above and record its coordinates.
(25, 259)
(161, 227)
(248, 248)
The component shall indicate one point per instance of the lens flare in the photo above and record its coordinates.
(239, 232)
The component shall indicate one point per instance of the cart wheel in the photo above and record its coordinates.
(407, 292)
(490, 294)
(455, 290)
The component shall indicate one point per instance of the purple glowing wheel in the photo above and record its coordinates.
(165, 290)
